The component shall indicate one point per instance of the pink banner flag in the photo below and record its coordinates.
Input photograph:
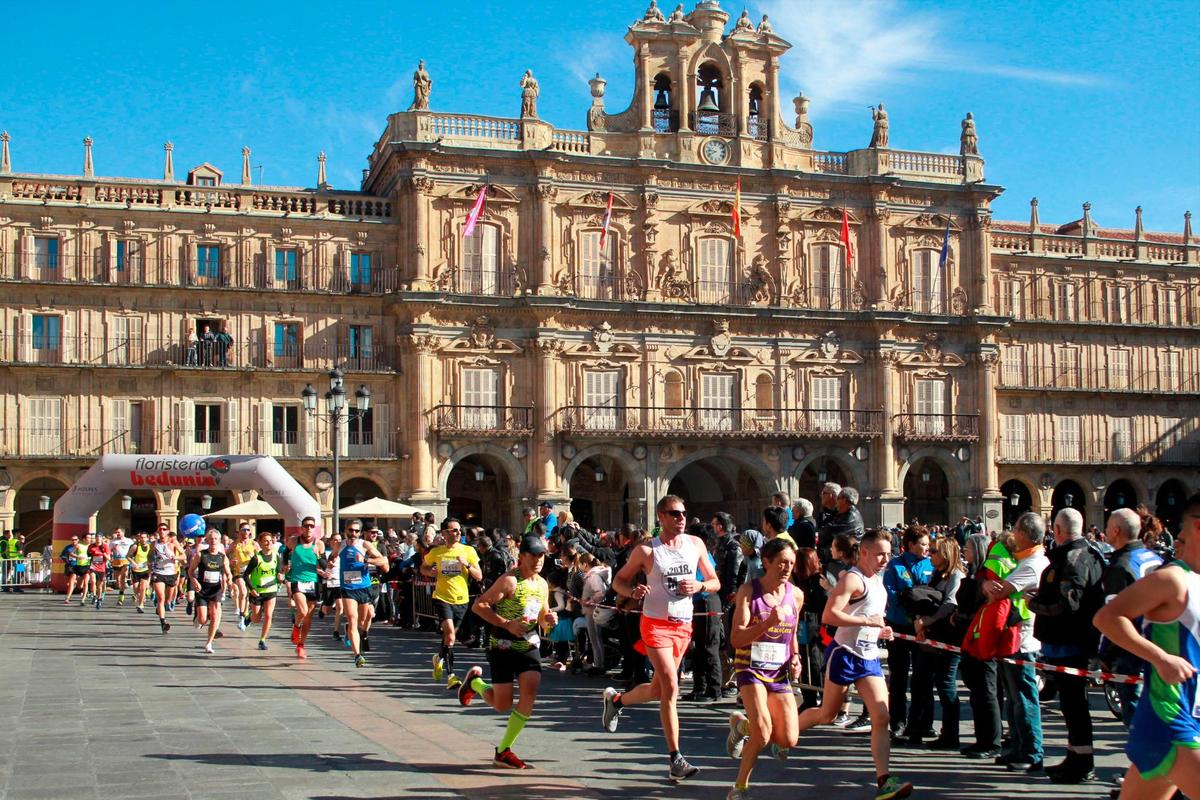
(607, 220)
(476, 210)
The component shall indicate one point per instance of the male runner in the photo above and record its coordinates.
(75, 574)
(302, 562)
(513, 606)
(98, 554)
(355, 555)
(180, 563)
(164, 572)
(1164, 739)
(139, 567)
(372, 536)
(669, 564)
(210, 577)
(450, 563)
(261, 574)
(239, 556)
(119, 546)
(856, 607)
(331, 573)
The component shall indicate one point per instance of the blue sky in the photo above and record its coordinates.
(1096, 101)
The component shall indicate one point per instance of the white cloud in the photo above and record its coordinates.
(583, 57)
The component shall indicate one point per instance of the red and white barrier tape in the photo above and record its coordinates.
(1107, 677)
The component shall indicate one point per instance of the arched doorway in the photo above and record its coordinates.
(817, 474)
(142, 514)
(1017, 500)
(599, 494)
(480, 492)
(1168, 503)
(357, 490)
(717, 484)
(927, 493)
(1067, 494)
(36, 522)
(1120, 494)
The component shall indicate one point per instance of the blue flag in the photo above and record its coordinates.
(945, 247)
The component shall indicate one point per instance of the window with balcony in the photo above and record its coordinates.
(673, 393)
(1118, 368)
(481, 398)
(601, 398)
(46, 337)
(126, 253)
(1015, 443)
(285, 424)
(125, 346)
(1012, 297)
(827, 403)
(1171, 433)
(1122, 438)
(929, 283)
(208, 263)
(1066, 301)
(360, 351)
(827, 276)
(45, 253)
(1170, 371)
(1118, 295)
(1168, 306)
(714, 270)
(43, 431)
(361, 431)
(287, 344)
(1068, 443)
(931, 407)
(764, 395)
(596, 265)
(1066, 371)
(481, 261)
(718, 398)
(124, 433)
(207, 423)
(1014, 365)
(286, 271)
(360, 270)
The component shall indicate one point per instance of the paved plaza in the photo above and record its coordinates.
(101, 705)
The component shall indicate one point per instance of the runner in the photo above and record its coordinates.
(514, 607)
(164, 572)
(1164, 739)
(331, 572)
(180, 563)
(98, 554)
(302, 563)
(119, 546)
(239, 556)
(372, 537)
(856, 607)
(75, 574)
(766, 618)
(353, 558)
(669, 563)
(261, 574)
(189, 554)
(139, 566)
(450, 563)
(210, 578)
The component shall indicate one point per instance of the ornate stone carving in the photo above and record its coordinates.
(958, 302)
(968, 143)
(443, 277)
(798, 295)
(932, 346)
(990, 359)
(858, 295)
(803, 126)
(719, 342)
(483, 333)
(653, 14)
(879, 135)
(426, 343)
(632, 286)
(421, 87)
(677, 14)
(529, 95)
(830, 344)
(765, 25)
(743, 22)
(670, 280)
(602, 337)
(759, 282)
(549, 346)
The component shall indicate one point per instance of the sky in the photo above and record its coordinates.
(1074, 102)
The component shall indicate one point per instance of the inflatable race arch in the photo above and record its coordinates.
(114, 473)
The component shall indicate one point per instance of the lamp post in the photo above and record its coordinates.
(338, 412)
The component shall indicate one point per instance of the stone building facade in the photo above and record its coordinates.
(945, 363)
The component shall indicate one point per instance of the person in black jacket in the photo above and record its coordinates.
(804, 527)
(728, 554)
(1070, 593)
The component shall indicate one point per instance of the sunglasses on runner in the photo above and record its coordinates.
(309, 525)
(677, 513)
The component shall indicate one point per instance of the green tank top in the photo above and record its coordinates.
(527, 601)
(82, 559)
(262, 577)
(302, 563)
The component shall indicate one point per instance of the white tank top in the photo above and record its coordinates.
(163, 558)
(671, 565)
(861, 640)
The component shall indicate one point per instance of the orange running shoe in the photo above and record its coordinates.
(465, 693)
(509, 760)
(300, 654)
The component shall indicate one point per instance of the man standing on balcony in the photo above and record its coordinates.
(224, 341)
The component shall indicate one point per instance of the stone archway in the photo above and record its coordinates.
(1119, 494)
(837, 467)
(1068, 494)
(1169, 501)
(618, 497)
(927, 493)
(1017, 499)
(38, 524)
(722, 479)
(483, 485)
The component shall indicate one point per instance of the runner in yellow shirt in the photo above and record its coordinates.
(450, 564)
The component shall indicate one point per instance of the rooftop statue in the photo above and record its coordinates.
(969, 143)
(529, 95)
(421, 86)
(879, 136)
(653, 14)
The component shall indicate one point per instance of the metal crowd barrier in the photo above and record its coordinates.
(26, 572)
(423, 600)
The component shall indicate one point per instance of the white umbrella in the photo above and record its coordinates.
(251, 509)
(379, 508)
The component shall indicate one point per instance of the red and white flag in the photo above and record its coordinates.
(846, 236)
(476, 210)
(607, 221)
(737, 210)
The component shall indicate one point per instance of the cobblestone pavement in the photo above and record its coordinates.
(101, 705)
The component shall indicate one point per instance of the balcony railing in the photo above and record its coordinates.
(483, 420)
(719, 422)
(1102, 451)
(1057, 379)
(937, 427)
(64, 442)
(494, 283)
(713, 124)
(142, 270)
(178, 352)
(1091, 247)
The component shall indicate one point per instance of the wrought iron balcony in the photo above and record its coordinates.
(937, 427)
(482, 420)
(718, 422)
(1100, 451)
(1107, 380)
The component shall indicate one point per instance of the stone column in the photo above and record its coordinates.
(417, 441)
(876, 280)
(883, 458)
(419, 235)
(980, 297)
(546, 379)
(985, 452)
(546, 193)
(683, 91)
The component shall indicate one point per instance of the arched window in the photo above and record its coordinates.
(756, 120)
(712, 116)
(714, 270)
(764, 395)
(480, 273)
(665, 116)
(929, 283)
(673, 393)
(827, 276)
(596, 265)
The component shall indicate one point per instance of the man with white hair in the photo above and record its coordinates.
(1069, 593)
(804, 527)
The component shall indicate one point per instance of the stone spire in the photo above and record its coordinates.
(5, 161)
(1187, 227)
(168, 164)
(88, 171)
(322, 183)
(245, 166)
(1139, 232)
(1034, 224)
(1087, 219)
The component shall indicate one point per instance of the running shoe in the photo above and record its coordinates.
(780, 753)
(189, 608)
(452, 682)
(465, 693)
(241, 623)
(438, 669)
(82, 602)
(360, 661)
(295, 635)
(262, 644)
(300, 654)
(141, 610)
(365, 644)
(841, 720)
(611, 714)
(862, 724)
(337, 635)
(738, 794)
(220, 635)
(208, 648)
(97, 604)
(348, 643)
(681, 770)
(735, 741)
(166, 626)
(509, 760)
(121, 600)
(893, 788)
(246, 621)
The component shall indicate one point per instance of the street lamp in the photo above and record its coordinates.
(1014, 499)
(44, 503)
(126, 502)
(205, 501)
(335, 408)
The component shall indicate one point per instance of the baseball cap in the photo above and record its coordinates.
(534, 545)
(546, 504)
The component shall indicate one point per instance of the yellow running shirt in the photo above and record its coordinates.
(451, 576)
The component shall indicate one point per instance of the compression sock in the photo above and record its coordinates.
(450, 664)
(479, 686)
(617, 701)
(516, 724)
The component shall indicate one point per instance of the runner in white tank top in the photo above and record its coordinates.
(670, 566)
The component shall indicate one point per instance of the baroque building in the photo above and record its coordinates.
(607, 332)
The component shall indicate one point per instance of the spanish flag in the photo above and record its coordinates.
(737, 210)
(846, 236)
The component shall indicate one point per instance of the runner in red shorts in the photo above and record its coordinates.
(669, 563)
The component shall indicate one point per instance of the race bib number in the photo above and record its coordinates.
(1196, 708)
(212, 576)
(306, 586)
(352, 576)
(451, 567)
(268, 582)
(768, 655)
(680, 609)
(140, 566)
(533, 608)
(868, 647)
(333, 583)
(97, 561)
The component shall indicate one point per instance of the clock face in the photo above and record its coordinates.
(715, 151)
